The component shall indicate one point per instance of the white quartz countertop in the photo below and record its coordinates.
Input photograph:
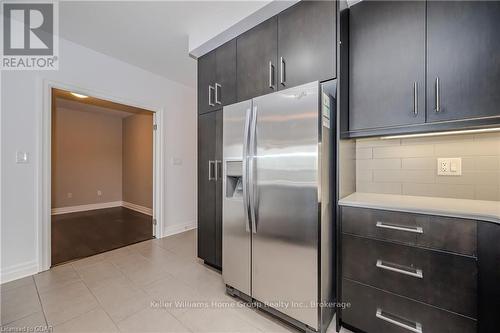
(462, 208)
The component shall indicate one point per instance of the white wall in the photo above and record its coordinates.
(21, 108)
(87, 157)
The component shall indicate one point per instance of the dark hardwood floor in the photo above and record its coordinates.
(82, 234)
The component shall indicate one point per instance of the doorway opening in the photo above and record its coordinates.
(102, 175)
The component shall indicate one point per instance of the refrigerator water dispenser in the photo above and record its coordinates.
(234, 179)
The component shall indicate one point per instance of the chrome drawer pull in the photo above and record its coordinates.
(412, 327)
(417, 230)
(415, 272)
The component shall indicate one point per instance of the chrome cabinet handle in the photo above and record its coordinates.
(415, 272)
(438, 102)
(210, 88)
(217, 87)
(416, 327)
(210, 170)
(415, 99)
(271, 75)
(217, 167)
(282, 71)
(417, 230)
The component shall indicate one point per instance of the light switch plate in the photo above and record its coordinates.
(22, 157)
(449, 166)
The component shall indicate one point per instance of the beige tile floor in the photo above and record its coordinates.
(129, 290)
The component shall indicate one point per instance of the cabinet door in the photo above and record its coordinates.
(225, 91)
(218, 189)
(206, 186)
(386, 60)
(206, 79)
(463, 51)
(489, 275)
(306, 43)
(256, 60)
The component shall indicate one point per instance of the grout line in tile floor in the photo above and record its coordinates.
(126, 277)
(40, 301)
(97, 299)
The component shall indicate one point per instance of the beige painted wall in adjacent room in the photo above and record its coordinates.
(409, 166)
(86, 158)
(138, 160)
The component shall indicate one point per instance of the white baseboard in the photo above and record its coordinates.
(82, 208)
(138, 208)
(18, 271)
(29, 268)
(102, 205)
(178, 228)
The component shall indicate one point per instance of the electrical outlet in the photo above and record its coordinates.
(443, 166)
(99, 193)
(449, 166)
(70, 195)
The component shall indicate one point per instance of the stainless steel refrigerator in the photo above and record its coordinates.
(278, 233)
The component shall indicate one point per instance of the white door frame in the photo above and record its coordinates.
(43, 191)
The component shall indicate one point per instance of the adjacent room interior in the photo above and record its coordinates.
(102, 176)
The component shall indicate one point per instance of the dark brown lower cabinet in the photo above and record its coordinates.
(373, 310)
(210, 188)
(489, 276)
(420, 274)
(400, 272)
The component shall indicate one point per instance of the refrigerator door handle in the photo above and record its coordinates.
(251, 170)
(246, 199)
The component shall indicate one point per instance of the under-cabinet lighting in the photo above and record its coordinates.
(79, 95)
(420, 135)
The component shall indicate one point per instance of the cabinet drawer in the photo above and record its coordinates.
(373, 311)
(435, 232)
(444, 280)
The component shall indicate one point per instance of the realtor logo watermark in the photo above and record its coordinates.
(30, 35)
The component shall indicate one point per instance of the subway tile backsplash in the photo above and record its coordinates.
(409, 166)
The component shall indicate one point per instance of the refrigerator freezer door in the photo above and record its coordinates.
(285, 242)
(236, 238)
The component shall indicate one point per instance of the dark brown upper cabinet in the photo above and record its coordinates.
(206, 80)
(217, 78)
(463, 59)
(256, 60)
(386, 64)
(225, 67)
(394, 45)
(306, 43)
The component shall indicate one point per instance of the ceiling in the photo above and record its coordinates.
(153, 35)
(64, 99)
